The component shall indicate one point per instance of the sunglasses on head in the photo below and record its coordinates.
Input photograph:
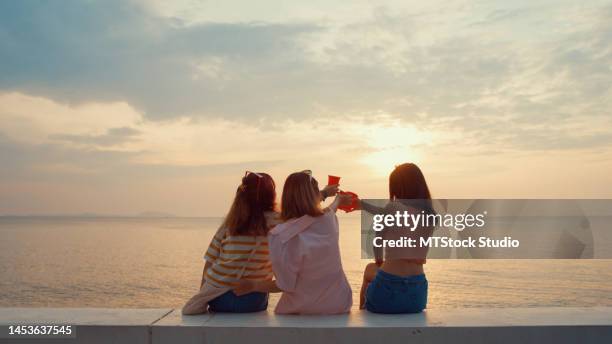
(308, 173)
(246, 173)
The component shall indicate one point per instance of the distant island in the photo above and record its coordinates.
(155, 214)
(150, 214)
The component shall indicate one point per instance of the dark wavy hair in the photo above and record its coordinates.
(254, 197)
(407, 182)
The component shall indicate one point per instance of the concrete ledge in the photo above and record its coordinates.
(475, 325)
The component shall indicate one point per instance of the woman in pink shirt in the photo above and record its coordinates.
(305, 253)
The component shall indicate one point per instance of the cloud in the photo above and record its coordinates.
(56, 178)
(113, 136)
(96, 147)
(88, 164)
(114, 92)
(53, 151)
(396, 60)
(78, 51)
(52, 162)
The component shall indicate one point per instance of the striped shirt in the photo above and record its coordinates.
(233, 257)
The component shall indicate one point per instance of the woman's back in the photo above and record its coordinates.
(237, 256)
(305, 257)
(404, 261)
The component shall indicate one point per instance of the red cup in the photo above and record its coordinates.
(352, 206)
(333, 180)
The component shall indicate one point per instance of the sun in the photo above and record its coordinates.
(390, 146)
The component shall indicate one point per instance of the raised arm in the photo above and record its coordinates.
(341, 199)
(370, 208)
(328, 191)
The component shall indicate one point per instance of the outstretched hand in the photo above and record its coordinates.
(344, 199)
(330, 190)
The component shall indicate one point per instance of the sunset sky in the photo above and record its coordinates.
(121, 107)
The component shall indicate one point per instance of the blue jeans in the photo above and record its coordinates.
(392, 294)
(231, 303)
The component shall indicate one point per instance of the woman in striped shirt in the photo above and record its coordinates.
(239, 250)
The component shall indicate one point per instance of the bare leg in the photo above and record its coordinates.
(368, 276)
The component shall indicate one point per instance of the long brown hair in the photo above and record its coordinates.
(301, 196)
(407, 182)
(255, 196)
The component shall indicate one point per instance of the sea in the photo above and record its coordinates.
(138, 262)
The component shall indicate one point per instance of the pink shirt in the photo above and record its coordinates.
(305, 257)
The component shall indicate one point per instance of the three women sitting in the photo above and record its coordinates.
(257, 250)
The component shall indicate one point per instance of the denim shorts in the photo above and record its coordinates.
(231, 303)
(392, 294)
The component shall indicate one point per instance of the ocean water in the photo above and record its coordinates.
(150, 262)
